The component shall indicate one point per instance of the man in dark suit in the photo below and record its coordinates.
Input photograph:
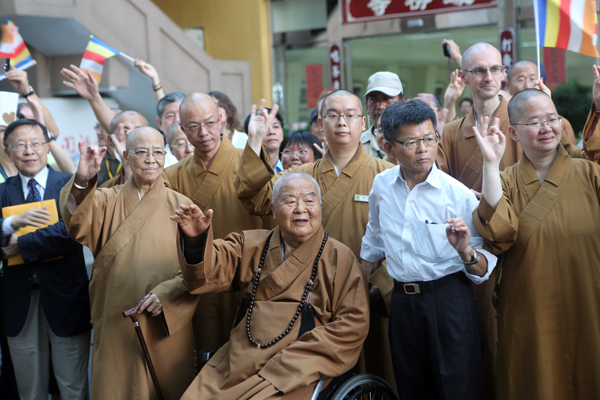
(44, 301)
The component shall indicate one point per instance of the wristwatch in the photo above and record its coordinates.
(475, 259)
(31, 91)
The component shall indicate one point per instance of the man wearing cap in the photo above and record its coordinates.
(384, 88)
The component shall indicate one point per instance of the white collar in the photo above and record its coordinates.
(433, 178)
(41, 178)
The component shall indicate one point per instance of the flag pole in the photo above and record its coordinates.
(127, 57)
(537, 38)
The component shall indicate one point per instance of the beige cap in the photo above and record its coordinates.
(384, 82)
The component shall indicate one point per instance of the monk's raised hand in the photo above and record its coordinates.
(596, 87)
(192, 221)
(151, 304)
(491, 140)
(542, 86)
(90, 160)
(458, 234)
(259, 124)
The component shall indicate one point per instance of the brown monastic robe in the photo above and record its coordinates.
(345, 217)
(591, 136)
(548, 237)
(135, 249)
(290, 368)
(214, 189)
(459, 156)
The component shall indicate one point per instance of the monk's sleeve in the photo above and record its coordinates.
(84, 222)
(498, 227)
(591, 136)
(178, 304)
(445, 146)
(573, 150)
(254, 182)
(331, 349)
(219, 271)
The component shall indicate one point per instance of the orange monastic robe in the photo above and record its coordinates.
(213, 188)
(548, 237)
(290, 368)
(135, 249)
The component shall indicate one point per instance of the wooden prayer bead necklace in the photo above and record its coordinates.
(309, 287)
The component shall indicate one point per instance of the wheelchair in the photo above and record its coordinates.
(349, 386)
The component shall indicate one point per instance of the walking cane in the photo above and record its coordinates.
(132, 313)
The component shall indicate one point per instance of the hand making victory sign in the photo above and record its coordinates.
(260, 121)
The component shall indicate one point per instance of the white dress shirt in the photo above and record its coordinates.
(41, 179)
(408, 227)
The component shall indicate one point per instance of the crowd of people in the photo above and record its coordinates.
(450, 248)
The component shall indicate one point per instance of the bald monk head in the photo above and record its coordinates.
(178, 143)
(476, 63)
(521, 75)
(130, 120)
(296, 206)
(342, 131)
(532, 106)
(145, 155)
(200, 122)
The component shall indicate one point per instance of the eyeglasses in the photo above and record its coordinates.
(428, 141)
(480, 71)
(349, 118)
(182, 145)
(299, 153)
(195, 128)
(143, 154)
(537, 126)
(23, 146)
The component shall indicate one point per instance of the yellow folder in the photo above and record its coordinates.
(22, 208)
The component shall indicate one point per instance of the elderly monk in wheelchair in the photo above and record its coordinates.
(305, 313)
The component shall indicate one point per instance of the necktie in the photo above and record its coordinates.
(33, 195)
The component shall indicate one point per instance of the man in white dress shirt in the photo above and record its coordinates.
(420, 220)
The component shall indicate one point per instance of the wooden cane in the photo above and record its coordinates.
(132, 313)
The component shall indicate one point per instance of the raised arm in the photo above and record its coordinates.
(453, 92)
(152, 74)
(87, 87)
(260, 121)
(492, 143)
(89, 165)
(455, 53)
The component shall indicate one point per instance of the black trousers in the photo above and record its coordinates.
(436, 340)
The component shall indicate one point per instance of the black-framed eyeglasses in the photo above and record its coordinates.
(537, 126)
(480, 71)
(429, 141)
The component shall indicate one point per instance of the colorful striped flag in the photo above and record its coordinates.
(94, 56)
(568, 24)
(12, 46)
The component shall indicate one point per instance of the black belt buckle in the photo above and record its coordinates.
(411, 288)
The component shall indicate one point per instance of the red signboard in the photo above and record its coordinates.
(555, 66)
(507, 46)
(373, 10)
(335, 66)
(314, 84)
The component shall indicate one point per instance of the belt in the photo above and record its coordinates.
(429, 286)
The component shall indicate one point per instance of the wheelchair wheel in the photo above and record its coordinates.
(365, 387)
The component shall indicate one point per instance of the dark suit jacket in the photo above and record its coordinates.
(63, 283)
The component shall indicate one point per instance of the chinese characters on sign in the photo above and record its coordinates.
(314, 84)
(372, 10)
(507, 46)
(335, 65)
(555, 66)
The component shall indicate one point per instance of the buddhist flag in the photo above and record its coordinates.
(568, 24)
(95, 54)
(12, 46)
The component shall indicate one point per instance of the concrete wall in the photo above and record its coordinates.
(234, 30)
